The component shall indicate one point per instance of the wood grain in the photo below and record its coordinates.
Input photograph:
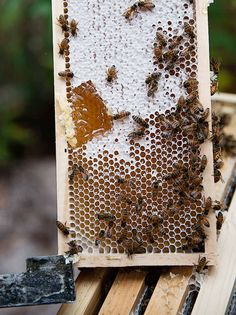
(88, 293)
(216, 289)
(124, 293)
(170, 292)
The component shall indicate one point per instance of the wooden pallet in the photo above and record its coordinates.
(172, 286)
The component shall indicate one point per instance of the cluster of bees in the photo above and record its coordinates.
(162, 52)
(222, 143)
(66, 28)
(217, 134)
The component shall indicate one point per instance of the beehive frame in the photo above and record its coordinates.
(104, 255)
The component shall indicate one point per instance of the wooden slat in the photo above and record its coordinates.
(124, 293)
(170, 292)
(216, 289)
(89, 286)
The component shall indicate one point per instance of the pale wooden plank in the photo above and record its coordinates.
(89, 286)
(225, 97)
(170, 292)
(144, 260)
(216, 289)
(124, 293)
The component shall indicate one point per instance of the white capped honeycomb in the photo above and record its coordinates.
(106, 38)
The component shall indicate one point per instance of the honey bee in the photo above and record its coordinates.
(171, 210)
(76, 169)
(106, 216)
(162, 231)
(161, 39)
(73, 172)
(202, 262)
(136, 134)
(121, 115)
(123, 236)
(191, 83)
(218, 164)
(192, 97)
(74, 250)
(124, 217)
(178, 169)
(220, 220)
(63, 23)
(136, 236)
(170, 55)
(156, 220)
(166, 123)
(155, 76)
(66, 74)
(155, 186)
(111, 74)
(181, 104)
(125, 199)
(196, 180)
(218, 206)
(72, 243)
(108, 231)
(102, 233)
(149, 234)
(121, 180)
(217, 176)
(129, 13)
(131, 248)
(145, 5)
(214, 86)
(152, 83)
(215, 66)
(199, 229)
(193, 240)
(63, 46)
(157, 52)
(188, 50)
(189, 30)
(63, 228)
(139, 204)
(194, 143)
(139, 120)
(73, 27)
(207, 205)
(203, 220)
(176, 42)
(203, 163)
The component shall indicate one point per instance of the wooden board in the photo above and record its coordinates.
(89, 285)
(170, 292)
(159, 302)
(124, 293)
(216, 290)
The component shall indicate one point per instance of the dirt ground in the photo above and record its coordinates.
(27, 220)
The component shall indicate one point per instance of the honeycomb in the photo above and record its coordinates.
(114, 204)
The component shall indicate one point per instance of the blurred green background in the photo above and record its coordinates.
(26, 88)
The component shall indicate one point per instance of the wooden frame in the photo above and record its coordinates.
(118, 260)
(175, 280)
